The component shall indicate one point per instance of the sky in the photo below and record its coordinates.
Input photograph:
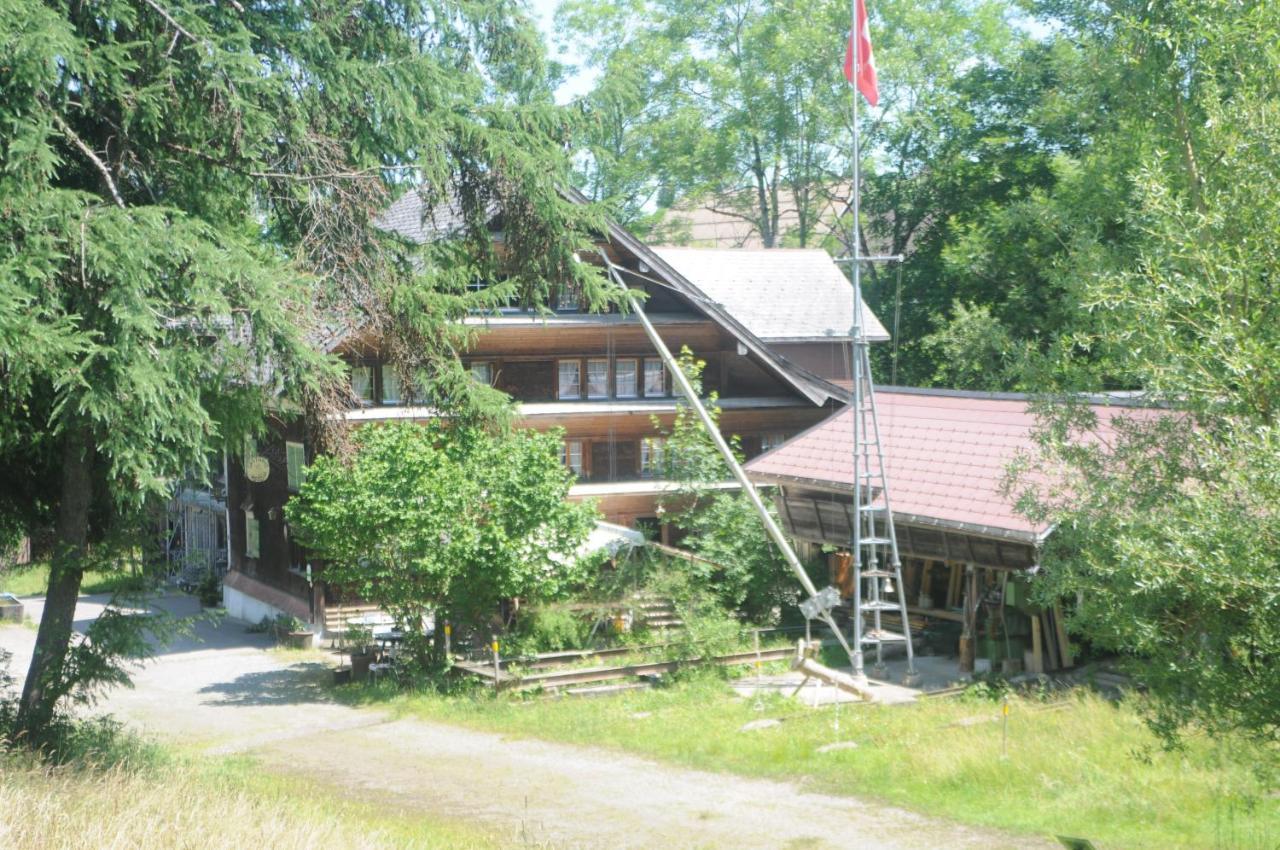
(577, 84)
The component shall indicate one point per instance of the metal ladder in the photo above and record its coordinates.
(876, 565)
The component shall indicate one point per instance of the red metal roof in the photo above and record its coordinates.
(946, 455)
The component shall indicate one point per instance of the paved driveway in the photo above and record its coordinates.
(223, 690)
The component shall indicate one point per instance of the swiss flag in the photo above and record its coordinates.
(862, 72)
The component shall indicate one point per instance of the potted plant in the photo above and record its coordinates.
(359, 643)
(209, 590)
(293, 633)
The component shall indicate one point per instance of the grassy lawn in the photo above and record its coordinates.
(33, 580)
(1083, 766)
(199, 803)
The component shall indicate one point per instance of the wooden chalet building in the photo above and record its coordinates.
(596, 376)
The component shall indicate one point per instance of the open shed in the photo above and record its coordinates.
(967, 554)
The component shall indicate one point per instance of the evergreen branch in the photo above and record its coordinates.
(284, 175)
(93, 157)
(173, 23)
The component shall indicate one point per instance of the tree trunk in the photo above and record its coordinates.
(43, 687)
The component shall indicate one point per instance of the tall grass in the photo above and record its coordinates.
(185, 805)
(97, 785)
(1083, 767)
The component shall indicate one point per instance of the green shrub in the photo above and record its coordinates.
(210, 590)
(552, 630)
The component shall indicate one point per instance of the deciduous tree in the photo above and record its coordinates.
(444, 520)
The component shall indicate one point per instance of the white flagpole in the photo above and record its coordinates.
(855, 359)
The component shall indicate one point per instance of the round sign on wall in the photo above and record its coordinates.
(258, 469)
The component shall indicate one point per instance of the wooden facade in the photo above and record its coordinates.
(594, 376)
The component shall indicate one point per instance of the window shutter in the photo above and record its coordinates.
(251, 535)
(295, 455)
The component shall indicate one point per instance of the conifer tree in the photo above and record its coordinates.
(190, 194)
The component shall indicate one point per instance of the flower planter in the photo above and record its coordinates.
(297, 640)
(360, 662)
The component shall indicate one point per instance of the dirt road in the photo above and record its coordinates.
(223, 690)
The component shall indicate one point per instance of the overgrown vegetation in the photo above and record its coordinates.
(1076, 764)
(1168, 532)
(128, 792)
(743, 568)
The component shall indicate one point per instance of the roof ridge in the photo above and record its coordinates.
(1118, 398)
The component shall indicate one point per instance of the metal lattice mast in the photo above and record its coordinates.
(874, 553)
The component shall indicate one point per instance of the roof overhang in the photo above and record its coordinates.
(816, 389)
(1029, 537)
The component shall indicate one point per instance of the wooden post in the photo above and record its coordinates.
(1060, 627)
(968, 645)
(1037, 651)
(924, 598)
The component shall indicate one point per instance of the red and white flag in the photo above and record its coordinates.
(861, 71)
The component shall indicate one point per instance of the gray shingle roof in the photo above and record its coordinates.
(779, 294)
(410, 218)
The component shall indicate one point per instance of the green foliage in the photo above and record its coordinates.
(973, 349)
(551, 629)
(688, 455)
(742, 106)
(357, 639)
(444, 519)
(709, 628)
(747, 572)
(1079, 766)
(191, 195)
(209, 590)
(1168, 532)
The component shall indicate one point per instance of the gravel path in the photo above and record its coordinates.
(225, 691)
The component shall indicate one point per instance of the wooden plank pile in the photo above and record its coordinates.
(553, 679)
(1050, 649)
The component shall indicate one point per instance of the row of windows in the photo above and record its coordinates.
(632, 377)
(571, 454)
(574, 452)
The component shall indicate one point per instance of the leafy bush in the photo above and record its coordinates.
(281, 624)
(444, 519)
(747, 573)
(552, 629)
(209, 590)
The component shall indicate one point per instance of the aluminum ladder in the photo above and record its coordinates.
(876, 564)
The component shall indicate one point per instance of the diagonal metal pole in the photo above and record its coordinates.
(691, 396)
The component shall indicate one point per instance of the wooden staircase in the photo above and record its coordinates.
(655, 613)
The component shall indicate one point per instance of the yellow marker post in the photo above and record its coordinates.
(497, 667)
